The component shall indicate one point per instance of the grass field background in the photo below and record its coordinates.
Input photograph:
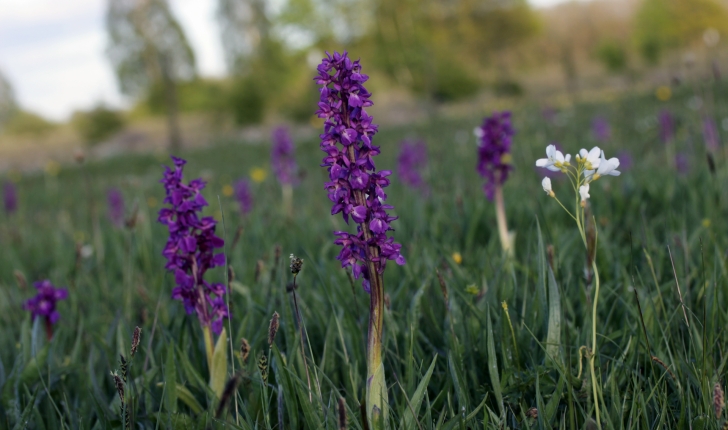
(453, 360)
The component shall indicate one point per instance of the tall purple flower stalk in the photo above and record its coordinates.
(710, 134)
(355, 187)
(682, 163)
(410, 163)
(357, 192)
(190, 249)
(667, 126)
(10, 198)
(44, 304)
(600, 129)
(244, 196)
(282, 157)
(116, 206)
(495, 137)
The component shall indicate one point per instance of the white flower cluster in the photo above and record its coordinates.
(590, 166)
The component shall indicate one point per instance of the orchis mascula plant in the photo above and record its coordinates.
(411, 161)
(44, 304)
(10, 198)
(284, 166)
(589, 167)
(494, 164)
(357, 191)
(244, 196)
(190, 251)
(116, 206)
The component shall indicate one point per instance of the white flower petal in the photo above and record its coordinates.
(546, 184)
(584, 192)
(542, 162)
(550, 150)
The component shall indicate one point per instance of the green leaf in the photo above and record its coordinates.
(218, 372)
(188, 398)
(416, 400)
(493, 366)
(170, 381)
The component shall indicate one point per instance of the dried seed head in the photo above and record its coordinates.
(132, 220)
(123, 366)
(532, 413)
(443, 286)
(227, 394)
(342, 414)
(387, 302)
(119, 386)
(258, 269)
(278, 252)
(20, 279)
(244, 349)
(718, 400)
(79, 156)
(273, 329)
(296, 264)
(231, 274)
(263, 367)
(135, 339)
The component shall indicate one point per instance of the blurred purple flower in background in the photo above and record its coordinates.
(411, 161)
(710, 134)
(494, 151)
(682, 163)
(355, 187)
(10, 198)
(600, 129)
(44, 304)
(191, 246)
(549, 114)
(116, 206)
(667, 126)
(244, 196)
(282, 157)
(625, 160)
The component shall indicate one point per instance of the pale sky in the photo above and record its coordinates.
(52, 51)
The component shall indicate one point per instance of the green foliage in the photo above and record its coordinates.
(667, 24)
(97, 124)
(197, 95)
(612, 55)
(28, 124)
(440, 355)
(247, 101)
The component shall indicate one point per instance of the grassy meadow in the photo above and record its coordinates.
(491, 343)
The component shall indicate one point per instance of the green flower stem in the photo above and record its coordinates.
(594, 341)
(376, 385)
(209, 346)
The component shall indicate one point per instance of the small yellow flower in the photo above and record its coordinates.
(52, 168)
(504, 305)
(457, 258)
(472, 289)
(706, 223)
(506, 158)
(152, 202)
(663, 93)
(227, 190)
(258, 174)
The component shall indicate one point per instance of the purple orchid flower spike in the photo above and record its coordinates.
(710, 134)
(601, 129)
(282, 157)
(667, 126)
(43, 305)
(190, 251)
(116, 206)
(244, 196)
(356, 189)
(10, 198)
(495, 137)
(411, 161)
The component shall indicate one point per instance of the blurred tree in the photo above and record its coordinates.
(8, 105)
(27, 123)
(147, 46)
(612, 55)
(97, 124)
(670, 24)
